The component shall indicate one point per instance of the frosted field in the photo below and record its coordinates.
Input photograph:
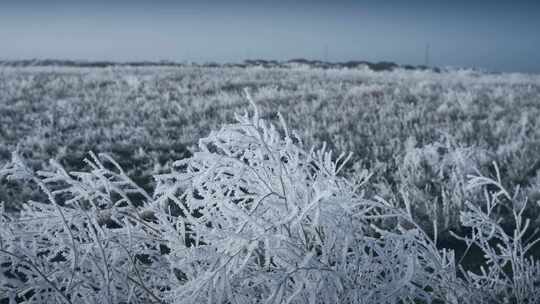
(410, 129)
(434, 154)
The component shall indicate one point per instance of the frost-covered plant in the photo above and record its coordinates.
(89, 243)
(265, 221)
(510, 273)
(433, 179)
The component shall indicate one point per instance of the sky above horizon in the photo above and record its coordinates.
(493, 35)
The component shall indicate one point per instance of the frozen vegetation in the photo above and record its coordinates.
(437, 204)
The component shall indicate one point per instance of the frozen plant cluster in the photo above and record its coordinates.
(251, 217)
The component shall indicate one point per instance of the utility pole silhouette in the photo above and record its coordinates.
(325, 59)
(426, 59)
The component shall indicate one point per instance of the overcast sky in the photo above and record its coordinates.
(496, 35)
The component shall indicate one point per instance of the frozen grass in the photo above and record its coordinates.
(419, 131)
(253, 216)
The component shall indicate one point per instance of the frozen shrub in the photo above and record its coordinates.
(263, 220)
(88, 244)
(510, 272)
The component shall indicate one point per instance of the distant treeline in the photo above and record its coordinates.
(375, 66)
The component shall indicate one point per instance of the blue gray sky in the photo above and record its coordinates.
(495, 35)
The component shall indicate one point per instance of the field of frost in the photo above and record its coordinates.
(235, 185)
